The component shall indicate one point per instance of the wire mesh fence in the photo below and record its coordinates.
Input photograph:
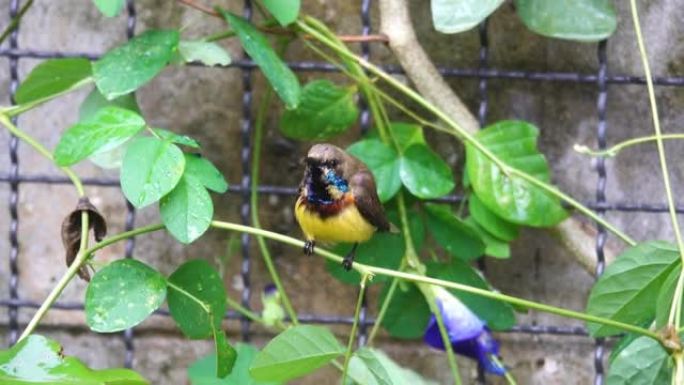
(483, 73)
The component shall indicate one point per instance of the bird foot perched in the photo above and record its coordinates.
(338, 200)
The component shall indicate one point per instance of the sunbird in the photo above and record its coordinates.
(338, 201)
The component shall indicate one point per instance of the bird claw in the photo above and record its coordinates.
(309, 247)
(347, 263)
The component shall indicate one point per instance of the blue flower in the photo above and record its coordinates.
(468, 334)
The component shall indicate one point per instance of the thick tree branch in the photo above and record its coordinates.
(395, 23)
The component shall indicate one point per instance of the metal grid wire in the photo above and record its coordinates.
(483, 73)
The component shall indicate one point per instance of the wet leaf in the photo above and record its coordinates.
(110, 8)
(491, 222)
(628, 289)
(581, 20)
(452, 233)
(282, 79)
(285, 11)
(642, 362)
(95, 102)
(508, 196)
(424, 173)
(498, 315)
(52, 77)
(195, 281)
(408, 313)
(123, 294)
(151, 169)
(453, 16)
(176, 138)
(226, 355)
(203, 371)
(205, 172)
(324, 111)
(126, 68)
(207, 53)
(39, 360)
(71, 231)
(383, 163)
(187, 210)
(109, 128)
(294, 353)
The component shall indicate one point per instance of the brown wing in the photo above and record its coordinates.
(366, 198)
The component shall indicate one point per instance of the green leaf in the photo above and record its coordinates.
(665, 297)
(52, 77)
(494, 247)
(508, 196)
(203, 371)
(123, 294)
(94, 102)
(109, 128)
(383, 162)
(39, 360)
(424, 173)
(195, 281)
(205, 172)
(294, 353)
(175, 138)
(498, 315)
(580, 20)
(416, 225)
(383, 250)
(491, 222)
(324, 111)
(453, 16)
(408, 313)
(151, 169)
(285, 11)
(373, 367)
(187, 210)
(126, 68)
(454, 235)
(407, 134)
(109, 8)
(628, 289)
(643, 362)
(205, 52)
(226, 355)
(282, 79)
(625, 342)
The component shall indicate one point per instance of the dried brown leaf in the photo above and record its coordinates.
(71, 231)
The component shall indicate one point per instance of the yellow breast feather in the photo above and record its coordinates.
(348, 225)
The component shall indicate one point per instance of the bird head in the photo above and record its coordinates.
(326, 168)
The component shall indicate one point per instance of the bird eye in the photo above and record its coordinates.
(332, 163)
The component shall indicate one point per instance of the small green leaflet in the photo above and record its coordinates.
(187, 210)
(39, 360)
(424, 173)
(52, 77)
(151, 169)
(491, 222)
(95, 101)
(494, 247)
(110, 8)
(580, 20)
(373, 367)
(383, 162)
(279, 361)
(126, 68)
(205, 172)
(203, 371)
(408, 313)
(176, 138)
(195, 281)
(123, 294)
(454, 235)
(510, 196)
(205, 52)
(665, 297)
(107, 129)
(324, 111)
(407, 134)
(285, 11)
(453, 16)
(226, 355)
(642, 362)
(628, 289)
(282, 79)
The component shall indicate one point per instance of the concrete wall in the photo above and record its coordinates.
(206, 104)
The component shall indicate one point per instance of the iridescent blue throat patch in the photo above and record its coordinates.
(336, 181)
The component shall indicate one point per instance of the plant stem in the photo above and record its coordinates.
(355, 325)
(15, 21)
(659, 143)
(254, 202)
(435, 309)
(459, 132)
(507, 374)
(75, 180)
(383, 309)
(614, 150)
(244, 311)
(21, 108)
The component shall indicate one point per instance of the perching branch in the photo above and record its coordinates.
(395, 23)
